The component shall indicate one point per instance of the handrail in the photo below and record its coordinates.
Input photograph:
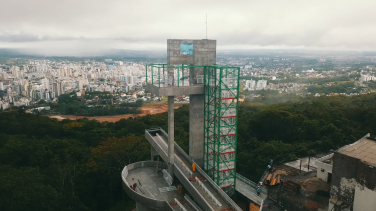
(246, 180)
(208, 179)
(192, 203)
(220, 191)
(180, 205)
(208, 192)
(252, 184)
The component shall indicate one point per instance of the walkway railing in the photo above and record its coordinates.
(208, 192)
(246, 180)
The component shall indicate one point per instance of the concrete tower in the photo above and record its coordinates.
(213, 93)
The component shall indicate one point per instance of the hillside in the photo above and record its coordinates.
(48, 164)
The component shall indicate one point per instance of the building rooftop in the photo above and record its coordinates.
(364, 149)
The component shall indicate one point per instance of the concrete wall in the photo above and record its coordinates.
(175, 91)
(348, 173)
(196, 128)
(204, 53)
(156, 147)
(323, 168)
(365, 199)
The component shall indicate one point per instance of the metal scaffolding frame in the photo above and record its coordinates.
(220, 130)
(157, 74)
(221, 85)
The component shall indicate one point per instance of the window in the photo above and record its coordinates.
(186, 49)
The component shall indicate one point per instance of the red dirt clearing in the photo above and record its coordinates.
(155, 109)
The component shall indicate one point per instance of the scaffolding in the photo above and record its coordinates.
(221, 85)
(162, 75)
(220, 130)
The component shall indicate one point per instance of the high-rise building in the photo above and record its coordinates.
(80, 84)
(250, 85)
(261, 84)
(15, 70)
(1, 86)
(46, 83)
(55, 89)
(61, 88)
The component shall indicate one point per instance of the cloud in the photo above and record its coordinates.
(145, 24)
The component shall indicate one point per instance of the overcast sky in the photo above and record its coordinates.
(79, 27)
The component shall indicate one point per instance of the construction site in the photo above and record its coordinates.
(205, 178)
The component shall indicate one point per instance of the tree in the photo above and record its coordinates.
(25, 189)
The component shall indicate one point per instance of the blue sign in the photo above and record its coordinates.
(110, 63)
(186, 49)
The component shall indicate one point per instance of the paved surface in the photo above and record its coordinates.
(178, 157)
(150, 182)
(363, 149)
(250, 192)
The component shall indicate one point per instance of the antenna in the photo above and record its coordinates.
(206, 25)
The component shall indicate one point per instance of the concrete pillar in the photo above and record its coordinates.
(171, 135)
(196, 128)
(153, 153)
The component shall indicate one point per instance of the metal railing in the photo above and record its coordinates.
(180, 205)
(192, 203)
(167, 177)
(202, 172)
(184, 167)
(167, 189)
(246, 180)
(208, 192)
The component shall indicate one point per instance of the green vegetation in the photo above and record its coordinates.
(319, 81)
(99, 105)
(272, 96)
(75, 165)
(371, 84)
(336, 87)
(288, 131)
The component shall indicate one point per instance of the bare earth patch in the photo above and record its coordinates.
(147, 109)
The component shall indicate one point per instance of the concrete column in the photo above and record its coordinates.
(171, 135)
(196, 128)
(153, 153)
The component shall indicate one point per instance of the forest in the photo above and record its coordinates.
(46, 164)
(70, 104)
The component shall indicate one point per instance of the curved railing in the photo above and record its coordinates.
(141, 198)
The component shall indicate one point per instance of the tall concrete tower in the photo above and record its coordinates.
(187, 57)
(192, 53)
(207, 174)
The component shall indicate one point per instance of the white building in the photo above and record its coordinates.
(80, 84)
(353, 184)
(365, 78)
(261, 84)
(46, 83)
(250, 85)
(324, 167)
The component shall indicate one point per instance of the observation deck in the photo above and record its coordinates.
(176, 80)
(151, 189)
